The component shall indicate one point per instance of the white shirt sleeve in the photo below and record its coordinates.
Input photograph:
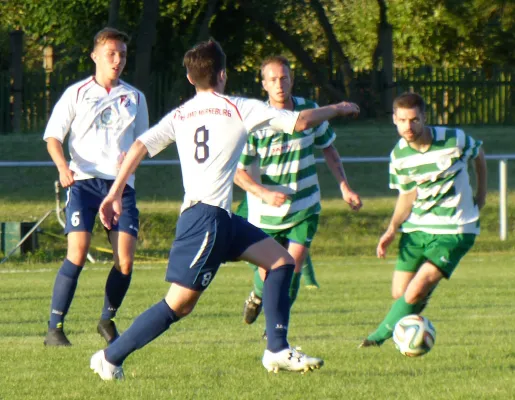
(159, 136)
(62, 116)
(258, 115)
(141, 123)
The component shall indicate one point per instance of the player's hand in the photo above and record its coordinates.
(66, 177)
(275, 199)
(110, 210)
(347, 109)
(384, 242)
(352, 199)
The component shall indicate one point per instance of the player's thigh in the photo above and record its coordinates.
(182, 300)
(300, 238)
(424, 281)
(268, 254)
(78, 246)
(400, 282)
(201, 244)
(411, 251)
(251, 244)
(446, 251)
(83, 200)
(129, 218)
(124, 248)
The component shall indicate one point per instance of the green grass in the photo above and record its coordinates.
(213, 355)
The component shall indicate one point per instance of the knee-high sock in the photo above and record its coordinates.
(294, 287)
(308, 272)
(116, 288)
(63, 292)
(398, 310)
(145, 328)
(276, 304)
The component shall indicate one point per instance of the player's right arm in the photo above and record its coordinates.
(55, 149)
(400, 214)
(245, 181)
(56, 130)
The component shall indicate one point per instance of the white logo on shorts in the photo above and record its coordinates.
(445, 260)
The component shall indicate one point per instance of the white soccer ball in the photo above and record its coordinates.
(414, 335)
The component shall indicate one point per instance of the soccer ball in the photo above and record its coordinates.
(414, 335)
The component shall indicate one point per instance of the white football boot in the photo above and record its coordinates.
(290, 359)
(104, 368)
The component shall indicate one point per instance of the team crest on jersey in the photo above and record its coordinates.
(125, 101)
(106, 117)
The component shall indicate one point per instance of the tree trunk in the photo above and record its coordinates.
(114, 13)
(204, 27)
(335, 46)
(145, 42)
(382, 61)
(17, 78)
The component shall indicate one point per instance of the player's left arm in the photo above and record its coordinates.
(333, 161)
(481, 178)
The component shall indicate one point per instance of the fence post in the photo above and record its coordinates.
(503, 186)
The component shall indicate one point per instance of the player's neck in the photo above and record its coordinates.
(287, 105)
(423, 143)
(108, 84)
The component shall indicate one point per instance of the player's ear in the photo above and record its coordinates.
(190, 80)
(93, 56)
(223, 75)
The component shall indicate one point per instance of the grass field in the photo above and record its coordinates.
(212, 354)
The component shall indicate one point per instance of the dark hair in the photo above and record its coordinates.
(409, 100)
(281, 60)
(204, 62)
(106, 34)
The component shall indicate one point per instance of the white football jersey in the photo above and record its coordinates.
(210, 131)
(101, 125)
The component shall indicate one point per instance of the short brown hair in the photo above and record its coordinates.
(409, 100)
(106, 34)
(281, 60)
(204, 62)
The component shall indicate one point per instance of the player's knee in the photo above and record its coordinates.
(77, 256)
(125, 266)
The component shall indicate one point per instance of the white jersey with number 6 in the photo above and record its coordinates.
(210, 131)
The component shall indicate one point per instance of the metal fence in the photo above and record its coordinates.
(455, 96)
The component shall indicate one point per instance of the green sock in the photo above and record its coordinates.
(294, 287)
(258, 283)
(308, 272)
(398, 310)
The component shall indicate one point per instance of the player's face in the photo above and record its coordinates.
(410, 123)
(277, 82)
(110, 59)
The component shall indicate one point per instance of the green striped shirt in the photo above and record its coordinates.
(285, 163)
(445, 202)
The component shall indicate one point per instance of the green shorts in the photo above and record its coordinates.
(444, 251)
(302, 233)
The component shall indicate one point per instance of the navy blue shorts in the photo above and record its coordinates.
(207, 236)
(83, 202)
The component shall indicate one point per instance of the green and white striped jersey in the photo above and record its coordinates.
(445, 202)
(285, 163)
